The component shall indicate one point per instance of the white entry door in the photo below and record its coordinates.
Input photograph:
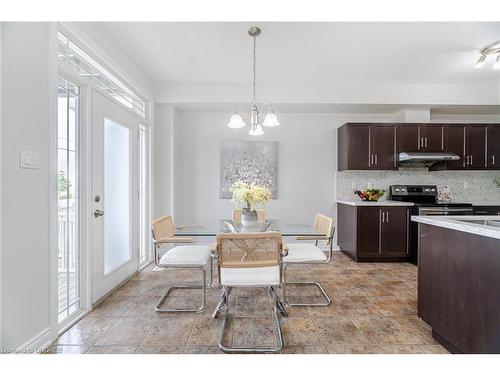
(115, 200)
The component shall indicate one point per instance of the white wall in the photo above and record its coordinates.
(162, 160)
(24, 196)
(28, 71)
(306, 164)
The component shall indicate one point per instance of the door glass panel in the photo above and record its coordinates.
(117, 189)
(144, 214)
(68, 257)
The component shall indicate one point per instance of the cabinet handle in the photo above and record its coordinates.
(387, 216)
(376, 159)
(425, 142)
(381, 215)
(470, 163)
(421, 141)
(371, 160)
(492, 159)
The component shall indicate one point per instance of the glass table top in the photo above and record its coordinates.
(214, 227)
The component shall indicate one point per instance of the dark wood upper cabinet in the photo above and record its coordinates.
(475, 145)
(455, 142)
(469, 143)
(383, 147)
(420, 137)
(366, 146)
(432, 137)
(354, 147)
(375, 146)
(493, 146)
(408, 138)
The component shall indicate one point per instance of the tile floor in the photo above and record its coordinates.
(373, 311)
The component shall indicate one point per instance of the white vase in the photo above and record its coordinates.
(248, 216)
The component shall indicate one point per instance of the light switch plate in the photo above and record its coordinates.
(29, 159)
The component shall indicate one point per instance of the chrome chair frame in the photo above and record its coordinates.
(204, 285)
(277, 307)
(328, 300)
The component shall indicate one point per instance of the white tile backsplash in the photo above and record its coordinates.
(466, 186)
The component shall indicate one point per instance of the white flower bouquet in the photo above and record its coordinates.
(249, 194)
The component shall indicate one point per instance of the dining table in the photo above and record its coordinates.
(213, 227)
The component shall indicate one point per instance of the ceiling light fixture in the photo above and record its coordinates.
(490, 50)
(497, 63)
(270, 120)
(480, 63)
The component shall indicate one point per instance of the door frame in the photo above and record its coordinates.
(83, 170)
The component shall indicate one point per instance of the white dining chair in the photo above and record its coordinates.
(308, 253)
(180, 257)
(250, 260)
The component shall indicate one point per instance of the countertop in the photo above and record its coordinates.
(359, 202)
(456, 223)
(485, 203)
(388, 202)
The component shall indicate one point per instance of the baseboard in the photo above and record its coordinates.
(37, 343)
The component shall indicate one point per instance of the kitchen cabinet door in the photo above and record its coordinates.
(408, 138)
(394, 234)
(455, 142)
(368, 235)
(476, 147)
(432, 136)
(383, 147)
(493, 146)
(358, 144)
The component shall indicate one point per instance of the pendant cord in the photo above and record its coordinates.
(254, 65)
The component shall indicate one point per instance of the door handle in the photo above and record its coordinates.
(98, 213)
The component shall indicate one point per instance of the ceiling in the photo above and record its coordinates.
(296, 52)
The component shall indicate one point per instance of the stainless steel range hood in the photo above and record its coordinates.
(424, 159)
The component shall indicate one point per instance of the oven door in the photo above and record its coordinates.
(444, 211)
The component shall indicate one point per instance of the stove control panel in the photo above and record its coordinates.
(413, 190)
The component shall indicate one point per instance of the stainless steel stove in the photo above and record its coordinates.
(425, 200)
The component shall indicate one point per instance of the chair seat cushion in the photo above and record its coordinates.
(259, 276)
(304, 252)
(195, 255)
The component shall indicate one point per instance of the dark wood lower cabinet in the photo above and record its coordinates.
(486, 210)
(374, 233)
(458, 280)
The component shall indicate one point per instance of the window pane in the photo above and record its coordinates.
(67, 203)
(117, 228)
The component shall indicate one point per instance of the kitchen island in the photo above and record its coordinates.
(459, 281)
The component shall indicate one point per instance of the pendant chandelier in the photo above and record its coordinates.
(255, 125)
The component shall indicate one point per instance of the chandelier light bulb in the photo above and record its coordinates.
(480, 63)
(497, 62)
(236, 122)
(271, 119)
(256, 130)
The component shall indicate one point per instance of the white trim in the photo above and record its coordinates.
(37, 343)
(91, 46)
(1, 238)
(52, 173)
